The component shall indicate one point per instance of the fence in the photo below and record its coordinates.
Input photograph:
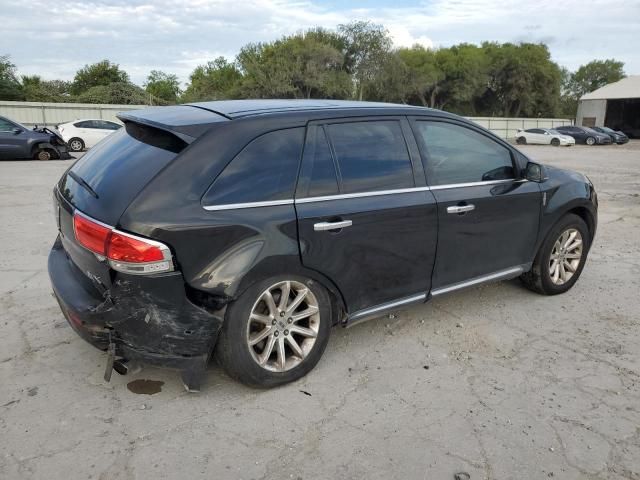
(52, 114)
(507, 127)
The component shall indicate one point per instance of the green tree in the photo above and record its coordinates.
(464, 78)
(121, 93)
(298, 66)
(217, 80)
(522, 81)
(163, 85)
(38, 90)
(424, 74)
(10, 88)
(98, 74)
(366, 47)
(594, 75)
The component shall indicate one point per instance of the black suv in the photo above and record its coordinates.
(250, 228)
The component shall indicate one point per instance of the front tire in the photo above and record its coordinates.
(275, 332)
(555, 142)
(521, 141)
(590, 141)
(561, 257)
(44, 154)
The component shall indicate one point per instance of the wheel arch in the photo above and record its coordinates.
(271, 267)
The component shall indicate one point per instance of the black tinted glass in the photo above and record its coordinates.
(322, 171)
(460, 155)
(371, 156)
(264, 170)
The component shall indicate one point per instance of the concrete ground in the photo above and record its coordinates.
(496, 381)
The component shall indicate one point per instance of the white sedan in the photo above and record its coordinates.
(543, 136)
(81, 134)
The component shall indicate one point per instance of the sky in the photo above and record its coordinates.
(54, 38)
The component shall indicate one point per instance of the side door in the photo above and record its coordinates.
(488, 215)
(366, 219)
(541, 136)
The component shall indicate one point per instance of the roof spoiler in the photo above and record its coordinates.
(139, 119)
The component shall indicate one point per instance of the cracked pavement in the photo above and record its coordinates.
(495, 381)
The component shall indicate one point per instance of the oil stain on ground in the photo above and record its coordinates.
(145, 387)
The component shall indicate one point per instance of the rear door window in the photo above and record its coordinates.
(265, 170)
(318, 177)
(456, 154)
(371, 156)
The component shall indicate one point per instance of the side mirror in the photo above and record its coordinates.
(17, 131)
(535, 172)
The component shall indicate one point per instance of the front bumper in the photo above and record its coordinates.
(148, 318)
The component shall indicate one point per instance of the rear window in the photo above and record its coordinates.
(118, 168)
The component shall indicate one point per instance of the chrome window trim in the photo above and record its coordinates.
(343, 196)
(233, 206)
(476, 184)
(361, 194)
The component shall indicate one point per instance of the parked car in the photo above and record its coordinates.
(543, 136)
(82, 134)
(616, 136)
(585, 135)
(250, 228)
(19, 142)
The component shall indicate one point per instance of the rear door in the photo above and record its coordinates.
(488, 216)
(365, 217)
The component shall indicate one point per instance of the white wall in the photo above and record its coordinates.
(507, 127)
(52, 114)
(592, 108)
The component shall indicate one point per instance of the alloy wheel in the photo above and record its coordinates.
(566, 255)
(590, 141)
(283, 326)
(76, 145)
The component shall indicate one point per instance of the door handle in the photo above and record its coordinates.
(324, 226)
(461, 208)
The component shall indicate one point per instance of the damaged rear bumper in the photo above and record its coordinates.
(148, 318)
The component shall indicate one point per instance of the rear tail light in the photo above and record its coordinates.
(125, 252)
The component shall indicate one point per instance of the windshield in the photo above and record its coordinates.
(606, 129)
(554, 132)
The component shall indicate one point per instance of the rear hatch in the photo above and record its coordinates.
(108, 178)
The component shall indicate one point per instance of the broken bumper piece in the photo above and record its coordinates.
(142, 319)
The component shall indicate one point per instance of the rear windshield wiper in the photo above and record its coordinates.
(84, 184)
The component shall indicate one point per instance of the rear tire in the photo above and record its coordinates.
(267, 340)
(76, 144)
(555, 142)
(521, 141)
(560, 250)
(590, 141)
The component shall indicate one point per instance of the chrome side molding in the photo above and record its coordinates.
(505, 274)
(378, 310)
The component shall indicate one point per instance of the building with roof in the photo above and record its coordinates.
(616, 106)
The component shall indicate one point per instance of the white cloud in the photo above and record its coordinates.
(177, 35)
